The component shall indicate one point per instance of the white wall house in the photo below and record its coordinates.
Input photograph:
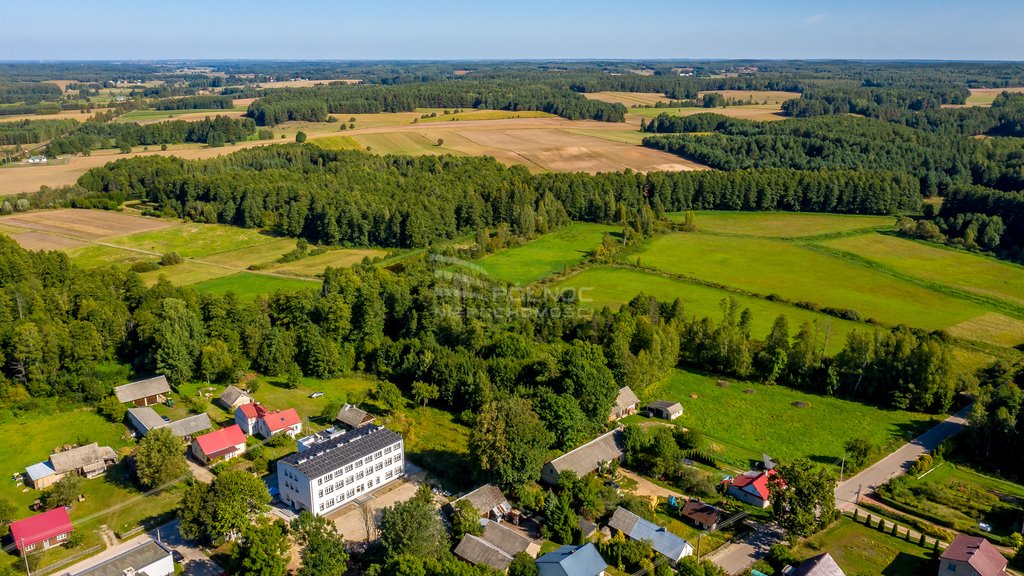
(333, 472)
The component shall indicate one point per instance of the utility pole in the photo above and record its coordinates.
(842, 468)
(24, 556)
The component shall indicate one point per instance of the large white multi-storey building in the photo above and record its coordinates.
(332, 472)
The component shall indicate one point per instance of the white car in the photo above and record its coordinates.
(984, 527)
(316, 394)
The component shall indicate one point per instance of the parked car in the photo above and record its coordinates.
(316, 394)
(984, 527)
(166, 418)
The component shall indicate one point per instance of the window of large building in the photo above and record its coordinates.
(348, 468)
(379, 466)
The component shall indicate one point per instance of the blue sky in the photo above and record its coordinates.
(453, 29)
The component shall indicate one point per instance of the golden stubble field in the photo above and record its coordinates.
(71, 228)
(541, 144)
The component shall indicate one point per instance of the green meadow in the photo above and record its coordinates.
(249, 285)
(546, 255)
(600, 286)
(783, 224)
(741, 420)
(799, 273)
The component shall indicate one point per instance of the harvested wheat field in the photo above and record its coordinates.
(304, 83)
(776, 97)
(628, 99)
(70, 228)
(63, 115)
(542, 144)
(18, 178)
(762, 112)
(985, 96)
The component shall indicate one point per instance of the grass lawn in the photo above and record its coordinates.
(38, 433)
(797, 273)
(782, 224)
(248, 285)
(192, 240)
(546, 255)
(486, 115)
(954, 268)
(436, 442)
(741, 426)
(188, 272)
(149, 115)
(264, 253)
(337, 143)
(601, 286)
(93, 255)
(862, 550)
(342, 258)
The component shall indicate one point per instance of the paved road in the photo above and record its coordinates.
(736, 557)
(899, 461)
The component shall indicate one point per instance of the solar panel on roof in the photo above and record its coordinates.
(336, 452)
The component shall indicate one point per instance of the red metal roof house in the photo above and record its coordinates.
(225, 443)
(751, 487)
(48, 529)
(246, 416)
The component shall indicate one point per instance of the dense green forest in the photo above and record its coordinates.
(92, 135)
(34, 131)
(315, 104)
(196, 103)
(354, 198)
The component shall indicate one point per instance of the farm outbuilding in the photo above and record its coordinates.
(664, 409)
(587, 458)
(625, 404)
(144, 392)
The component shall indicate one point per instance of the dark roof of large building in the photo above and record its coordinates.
(572, 561)
(137, 558)
(820, 565)
(666, 405)
(142, 389)
(978, 552)
(329, 455)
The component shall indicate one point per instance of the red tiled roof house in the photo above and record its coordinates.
(225, 443)
(42, 530)
(751, 488)
(971, 555)
(283, 421)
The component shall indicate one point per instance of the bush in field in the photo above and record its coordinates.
(170, 259)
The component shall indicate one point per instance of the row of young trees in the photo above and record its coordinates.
(353, 198)
(88, 136)
(317, 103)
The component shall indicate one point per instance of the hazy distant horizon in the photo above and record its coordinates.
(454, 30)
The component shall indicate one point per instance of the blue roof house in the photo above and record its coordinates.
(572, 561)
